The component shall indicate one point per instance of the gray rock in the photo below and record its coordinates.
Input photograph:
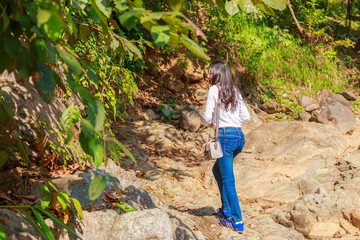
(200, 94)
(302, 218)
(254, 119)
(305, 101)
(312, 107)
(286, 109)
(305, 116)
(349, 95)
(335, 113)
(151, 114)
(108, 224)
(342, 100)
(191, 119)
(270, 107)
(17, 227)
(308, 185)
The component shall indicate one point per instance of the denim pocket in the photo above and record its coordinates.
(229, 146)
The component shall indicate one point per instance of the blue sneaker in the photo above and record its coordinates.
(223, 214)
(237, 226)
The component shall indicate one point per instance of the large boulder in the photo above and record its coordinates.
(335, 113)
(16, 226)
(294, 140)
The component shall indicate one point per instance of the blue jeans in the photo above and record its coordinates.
(232, 141)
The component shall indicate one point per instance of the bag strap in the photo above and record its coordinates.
(217, 115)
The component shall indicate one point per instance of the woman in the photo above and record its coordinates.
(233, 115)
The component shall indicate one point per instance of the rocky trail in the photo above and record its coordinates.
(294, 179)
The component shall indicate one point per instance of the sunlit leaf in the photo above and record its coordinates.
(43, 16)
(176, 5)
(174, 39)
(52, 185)
(104, 7)
(131, 48)
(121, 5)
(63, 199)
(53, 28)
(160, 34)
(267, 10)
(246, 6)
(97, 151)
(2, 233)
(97, 187)
(193, 47)
(275, 4)
(87, 128)
(33, 223)
(70, 114)
(45, 195)
(79, 4)
(231, 7)
(78, 208)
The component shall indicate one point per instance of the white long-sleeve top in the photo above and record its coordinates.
(228, 118)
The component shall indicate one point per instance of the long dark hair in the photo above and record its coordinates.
(222, 76)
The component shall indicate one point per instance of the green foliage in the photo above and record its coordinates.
(124, 208)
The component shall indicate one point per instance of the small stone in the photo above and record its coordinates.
(305, 101)
(312, 107)
(270, 107)
(348, 95)
(167, 111)
(201, 94)
(151, 114)
(286, 109)
(305, 116)
(355, 218)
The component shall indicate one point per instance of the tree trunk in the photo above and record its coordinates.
(348, 17)
(293, 16)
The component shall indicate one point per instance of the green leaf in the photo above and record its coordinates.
(160, 34)
(121, 5)
(55, 219)
(8, 109)
(5, 59)
(51, 53)
(53, 28)
(97, 151)
(46, 230)
(193, 47)
(79, 4)
(2, 233)
(70, 115)
(231, 7)
(131, 48)
(174, 39)
(63, 199)
(151, 16)
(87, 128)
(78, 208)
(32, 222)
(84, 32)
(45, 195)
(97, 187)
(43, 16)
(275, 4)
(96, 113)
(22, 149)
(84, 142)
(23, 63)
(4, 22)
(124, 149)
(12, 45)
(129, 18)
(52, 185)
(265, 9)
(246, 6)
(3, 158)
(104, 7)
(46, 81)
(71, 61)
(91, 74)
(176, 5)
